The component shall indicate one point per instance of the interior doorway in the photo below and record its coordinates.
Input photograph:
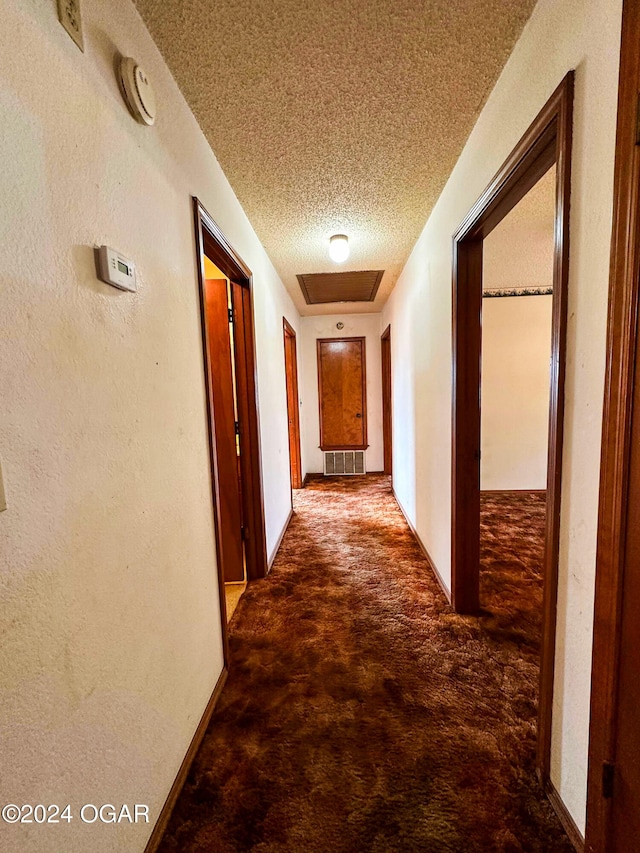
(219, 317)
(229, 360)
(387, 416)
(293, 403)
(546, 142)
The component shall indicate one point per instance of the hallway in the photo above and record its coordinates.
(360, 713)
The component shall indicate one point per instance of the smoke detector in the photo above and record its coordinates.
(137, 91)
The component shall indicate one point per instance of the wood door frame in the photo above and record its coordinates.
(547, 141)
(295, 455)
(210, 241)
(364, 445)
(622, 343)
(387, 406)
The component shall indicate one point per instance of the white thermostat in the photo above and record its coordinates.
(114, 269)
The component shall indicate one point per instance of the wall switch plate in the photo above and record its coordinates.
(71, 20)
(3, 497)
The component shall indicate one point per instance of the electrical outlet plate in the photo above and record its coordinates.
(71, 20)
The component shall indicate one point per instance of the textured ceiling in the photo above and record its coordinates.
(334, 116)
(519, 251)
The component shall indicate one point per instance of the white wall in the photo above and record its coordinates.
(111, 640)
(584, 35)
(355, 325)
(516, 350)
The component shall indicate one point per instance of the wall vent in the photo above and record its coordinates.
(344, 462)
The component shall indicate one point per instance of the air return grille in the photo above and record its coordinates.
(344, 462)
(320, 287)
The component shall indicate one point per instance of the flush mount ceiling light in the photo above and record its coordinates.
(339, 248)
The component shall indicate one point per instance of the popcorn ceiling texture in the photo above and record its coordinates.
(336, 117)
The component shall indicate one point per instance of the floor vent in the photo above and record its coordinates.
(344, 462)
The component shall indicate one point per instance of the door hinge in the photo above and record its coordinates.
(237, 427)
(244, 533)
(608, 770)
(230, 315)
(638, 121)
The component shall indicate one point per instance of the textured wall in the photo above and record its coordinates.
(111, 639)
(516, 344)
(585, 35)
(516, 347)
(355, 325)
(519, 252)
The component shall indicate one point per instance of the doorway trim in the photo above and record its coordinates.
(545, 143)
(293, 411)
(622, 343)
(387, 408)
(210, 241)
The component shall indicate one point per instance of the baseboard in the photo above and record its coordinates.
(163, 819)
(568, 823)
(425, 553)
(513, 491)
(279, 542)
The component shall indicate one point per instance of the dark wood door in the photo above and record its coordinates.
(342, 393)
(293, 410)
(385, 352)
(625, 807)
(221, 376)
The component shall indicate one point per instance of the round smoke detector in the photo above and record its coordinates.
(137, 91)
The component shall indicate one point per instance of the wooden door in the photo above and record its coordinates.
(293, 410)
(342, 393)
(223, 416)
(385, 343)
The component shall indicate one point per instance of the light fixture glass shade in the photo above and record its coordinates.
(339, 248)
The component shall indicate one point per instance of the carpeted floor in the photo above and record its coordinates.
(361, 715)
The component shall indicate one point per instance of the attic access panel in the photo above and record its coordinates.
(321, 287)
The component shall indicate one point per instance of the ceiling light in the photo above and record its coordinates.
(339, 248)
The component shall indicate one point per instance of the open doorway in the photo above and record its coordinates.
(517, 299)
(220, 338)
(229, 360)
(518, 259)
(293, 403)
(546, 143)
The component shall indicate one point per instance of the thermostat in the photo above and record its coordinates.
(114, 269)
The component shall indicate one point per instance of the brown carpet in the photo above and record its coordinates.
(361, 714)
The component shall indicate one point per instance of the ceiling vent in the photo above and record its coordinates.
(320, 287)
(344, 462)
